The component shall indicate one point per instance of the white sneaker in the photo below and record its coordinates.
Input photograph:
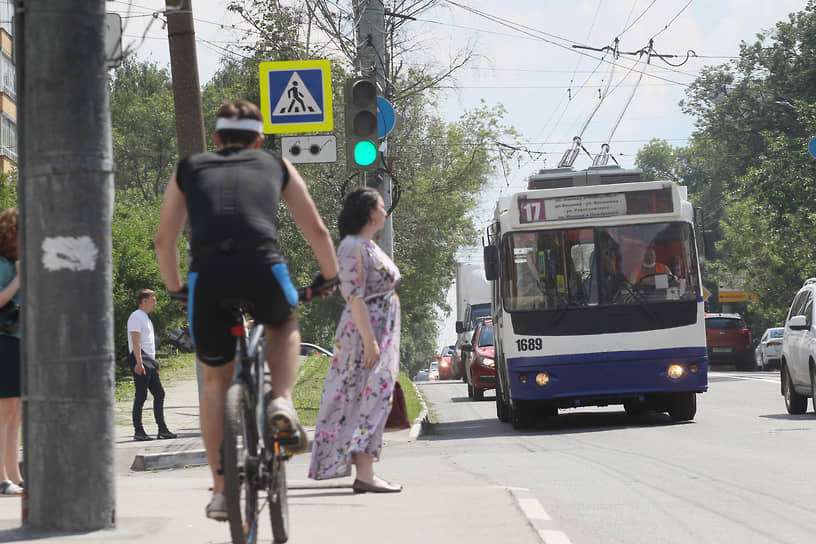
(281, 415)
(10, 488)
(217, 509)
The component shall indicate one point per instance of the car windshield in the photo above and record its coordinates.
(486, 336)
(776, 333)
(434, 366)
(447, 352)
(723, 323)
(622, 265)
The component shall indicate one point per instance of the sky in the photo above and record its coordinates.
(524, 59)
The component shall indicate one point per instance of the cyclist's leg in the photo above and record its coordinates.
(216, 379)
(282, 349)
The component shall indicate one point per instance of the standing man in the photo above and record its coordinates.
(142, 361)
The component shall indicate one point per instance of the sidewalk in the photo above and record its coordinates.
(441, 502)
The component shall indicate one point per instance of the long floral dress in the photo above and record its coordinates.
(357, 400)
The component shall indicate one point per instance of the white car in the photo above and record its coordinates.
(798, 371)
(769, 349)
(433, 371)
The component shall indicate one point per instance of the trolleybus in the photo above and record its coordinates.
(596, 296)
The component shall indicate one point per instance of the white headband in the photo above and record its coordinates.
(253, 125)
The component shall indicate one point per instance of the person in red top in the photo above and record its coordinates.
(650, 268)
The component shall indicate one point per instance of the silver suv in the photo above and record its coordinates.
(799, 351)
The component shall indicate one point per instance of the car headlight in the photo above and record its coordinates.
(489, 362)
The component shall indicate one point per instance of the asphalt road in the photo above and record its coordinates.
(742, 471)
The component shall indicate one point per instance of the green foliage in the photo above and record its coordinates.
(8, 190)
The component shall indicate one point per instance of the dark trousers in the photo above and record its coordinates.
(149, 381)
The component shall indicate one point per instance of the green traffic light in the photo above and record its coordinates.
(365, 153)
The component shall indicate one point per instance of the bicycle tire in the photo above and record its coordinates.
(278, 500)
(239, 446)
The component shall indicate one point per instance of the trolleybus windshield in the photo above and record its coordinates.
(584, 267)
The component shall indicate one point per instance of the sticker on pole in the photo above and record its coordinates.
(296, 96)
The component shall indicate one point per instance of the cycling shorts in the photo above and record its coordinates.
(265, 290)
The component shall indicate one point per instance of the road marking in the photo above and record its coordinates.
(537, 517)
(746, 378)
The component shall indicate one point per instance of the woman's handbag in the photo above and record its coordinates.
(9, 317)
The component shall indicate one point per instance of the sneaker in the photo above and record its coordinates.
(165, 434)
(217, 509)
(10, 488)
(141, 437)
(282, 417)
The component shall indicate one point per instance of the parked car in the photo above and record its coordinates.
(769, 349)
(421, 376)
(180, 339)
(480, 364)
(433, 371)
(729, 340)
(310, 349)
(444, 358)
(798, 371)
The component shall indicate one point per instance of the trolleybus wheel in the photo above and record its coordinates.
(521, 416)
(501, 406)
(683, 406)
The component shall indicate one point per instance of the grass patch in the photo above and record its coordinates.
(309, 390)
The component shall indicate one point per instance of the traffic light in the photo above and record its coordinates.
(361, 122)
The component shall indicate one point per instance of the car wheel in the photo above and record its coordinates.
(794, 402)
(470, 391)
(683, 406)
(478, 393)
(813, 385)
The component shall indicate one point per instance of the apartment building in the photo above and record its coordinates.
(8, 91)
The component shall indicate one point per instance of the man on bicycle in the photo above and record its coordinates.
(231, 197)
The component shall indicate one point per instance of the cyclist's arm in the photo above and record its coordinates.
(171, 222)
(303, 209)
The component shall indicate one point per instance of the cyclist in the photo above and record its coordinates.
(232, 198)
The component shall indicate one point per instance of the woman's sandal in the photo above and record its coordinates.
(10, 488)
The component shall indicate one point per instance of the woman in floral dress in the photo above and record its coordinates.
(357, 393)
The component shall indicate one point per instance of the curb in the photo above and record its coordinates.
(165, 460)
(422, 421)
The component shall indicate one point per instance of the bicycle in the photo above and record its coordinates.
(252, 454)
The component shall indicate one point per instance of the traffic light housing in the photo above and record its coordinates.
(361, 123)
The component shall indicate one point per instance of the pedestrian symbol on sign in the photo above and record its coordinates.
(297, 99)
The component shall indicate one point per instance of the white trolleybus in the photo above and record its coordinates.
(596, 296)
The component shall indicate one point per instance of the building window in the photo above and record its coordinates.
(6, 13)
(8, 138)
(7, 75)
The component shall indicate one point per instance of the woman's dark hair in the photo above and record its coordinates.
(8, 233)
(239, 109)
(356, 210)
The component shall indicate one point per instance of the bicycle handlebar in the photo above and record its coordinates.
(319, 286)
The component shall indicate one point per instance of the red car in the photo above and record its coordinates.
(729, 340)
(480, 365)
(444, 358)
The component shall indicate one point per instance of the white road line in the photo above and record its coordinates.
(537, 517)
(746, 378)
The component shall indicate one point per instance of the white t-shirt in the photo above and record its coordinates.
(139, 322)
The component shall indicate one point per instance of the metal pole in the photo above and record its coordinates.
(66, 182)
(371, 59)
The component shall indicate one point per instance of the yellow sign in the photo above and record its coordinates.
(296, 96)
(736, 296)
(706, 293)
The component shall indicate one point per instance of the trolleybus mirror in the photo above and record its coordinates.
(460, 327)
(491, 262)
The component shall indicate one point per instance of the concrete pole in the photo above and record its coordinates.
(186, 89)
(371, 57)
(186, 86)
(66, 186)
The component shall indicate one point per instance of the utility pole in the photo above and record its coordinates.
(371, 60)
(66, 195)
(186, 86)
(186, 89)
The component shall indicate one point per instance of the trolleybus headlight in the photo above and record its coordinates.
(676, 371)
(523, 378)
(693, 368)
(489, 362)
(542, 379)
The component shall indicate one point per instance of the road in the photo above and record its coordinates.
(742, 471)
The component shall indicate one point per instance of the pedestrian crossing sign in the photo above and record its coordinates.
(296, 96)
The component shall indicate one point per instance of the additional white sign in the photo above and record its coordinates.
(309, 149)
(572, 207)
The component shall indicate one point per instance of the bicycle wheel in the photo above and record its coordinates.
(240, 464)
(278, 503)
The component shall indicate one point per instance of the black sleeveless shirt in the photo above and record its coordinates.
(232, 201)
